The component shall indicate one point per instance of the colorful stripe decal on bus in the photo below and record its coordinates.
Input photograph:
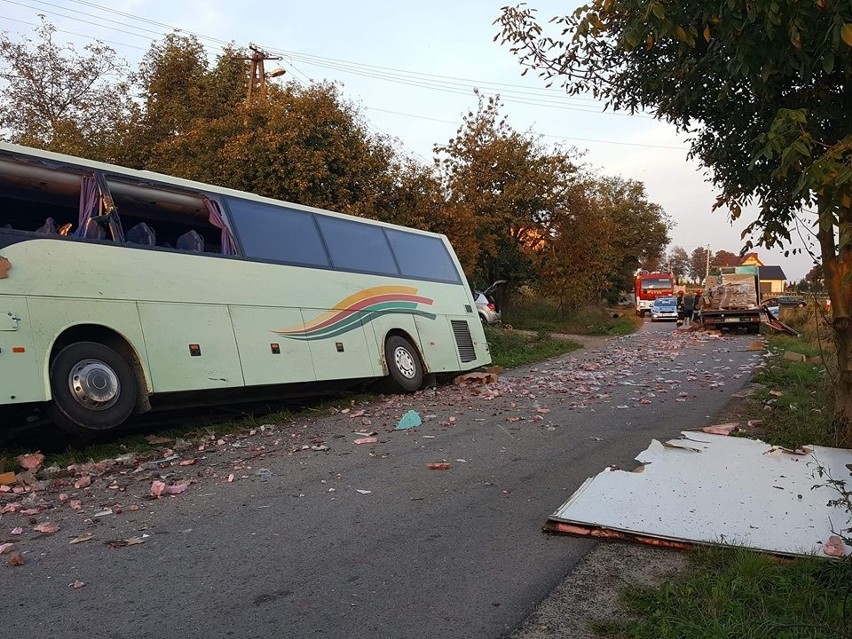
(358, 309)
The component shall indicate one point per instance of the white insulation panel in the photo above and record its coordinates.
(707, 489)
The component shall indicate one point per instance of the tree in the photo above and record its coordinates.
(641, 230)
(302, 144)
(506, 186)
(698, 264)
(59, 99)
(764, 90)
(724, 258)
(678, 262)
(815, 279)
(179, 90)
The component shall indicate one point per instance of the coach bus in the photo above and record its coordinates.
(121, 288)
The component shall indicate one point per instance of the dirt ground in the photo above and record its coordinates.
(590, 592)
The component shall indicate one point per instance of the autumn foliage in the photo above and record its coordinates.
(514, 208)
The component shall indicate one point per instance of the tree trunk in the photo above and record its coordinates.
(837, 269)
(843, 340)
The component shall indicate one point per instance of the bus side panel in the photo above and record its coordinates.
(255, 328)
(172, 333)
(382, 325)
(437, 345)
(342, 354)
(20, 370)
(51, 316)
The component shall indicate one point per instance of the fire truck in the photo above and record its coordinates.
(650, 286)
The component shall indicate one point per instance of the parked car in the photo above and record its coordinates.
(664, 308)
(486, 306)
(785, 300)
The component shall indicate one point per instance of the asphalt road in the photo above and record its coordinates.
(429, 553)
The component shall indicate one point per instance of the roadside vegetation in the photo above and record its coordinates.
(733, 592)
(536, 329)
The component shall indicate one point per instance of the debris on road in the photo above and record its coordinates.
(46, 528)
(410, 420)
(721, 429)
(438, 466)
(77, 495)
(31, 461)
(122, 543)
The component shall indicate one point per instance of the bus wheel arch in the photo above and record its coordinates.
(87, 356)
(406, 370)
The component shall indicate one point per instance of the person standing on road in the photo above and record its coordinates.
(696, 307)
(688, 305)
(679, 308)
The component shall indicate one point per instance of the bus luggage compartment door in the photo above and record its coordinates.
(190, 346)
(269, 353)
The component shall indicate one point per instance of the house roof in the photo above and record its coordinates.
(771, 273)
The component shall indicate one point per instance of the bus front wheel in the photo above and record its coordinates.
(404, 367)
(94, 388)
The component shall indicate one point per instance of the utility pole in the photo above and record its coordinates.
(257, 75)
(707, 268)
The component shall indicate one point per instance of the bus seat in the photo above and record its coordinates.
(141, 234)
(190, 241)
(94, 230)
(48, 228)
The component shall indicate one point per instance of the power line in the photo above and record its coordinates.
(448, 84)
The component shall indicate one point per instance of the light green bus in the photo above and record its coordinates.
(122, 289)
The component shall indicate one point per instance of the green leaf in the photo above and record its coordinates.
(828, 62)
(658, 10)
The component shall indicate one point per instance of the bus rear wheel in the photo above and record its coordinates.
(94, 389)
(404, 366)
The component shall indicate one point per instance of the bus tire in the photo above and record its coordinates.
(94, 389)
(405, 371)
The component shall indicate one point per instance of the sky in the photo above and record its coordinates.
(413, 67)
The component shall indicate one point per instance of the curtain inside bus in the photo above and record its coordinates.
(88, 202)
(229, 246)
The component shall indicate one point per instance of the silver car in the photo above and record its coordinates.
(486, 306)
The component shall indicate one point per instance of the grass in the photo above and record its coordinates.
(511, 348)
(543, 315)
(733, 592)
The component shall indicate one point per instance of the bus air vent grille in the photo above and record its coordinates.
(461, 329)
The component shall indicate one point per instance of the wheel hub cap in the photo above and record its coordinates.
(405, 363)
(94, 384)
